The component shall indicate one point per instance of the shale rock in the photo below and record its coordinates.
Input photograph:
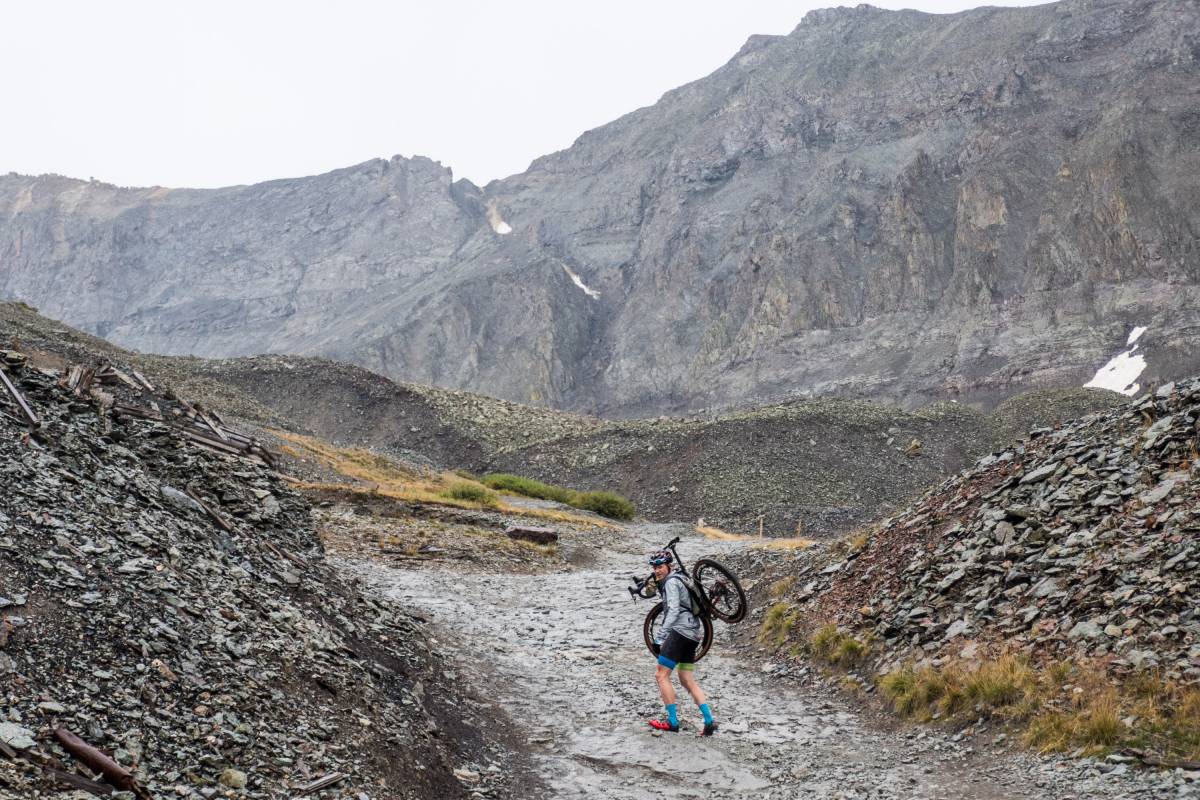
(151, 608)
(1080, 542)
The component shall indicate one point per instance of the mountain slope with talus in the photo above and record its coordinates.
(820, 466)
(884, 205)
(172, 607)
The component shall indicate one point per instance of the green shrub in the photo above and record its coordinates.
(504, 482)
(471, 492)
(606, 504)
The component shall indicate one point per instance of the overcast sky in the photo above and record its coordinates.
(215, 93)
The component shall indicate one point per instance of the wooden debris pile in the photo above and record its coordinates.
(120, 393)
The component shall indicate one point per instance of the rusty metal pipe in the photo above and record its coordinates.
(96, 761)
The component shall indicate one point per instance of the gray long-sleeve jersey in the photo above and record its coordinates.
(677, 615)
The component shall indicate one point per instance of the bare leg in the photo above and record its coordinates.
(688, 680)
(663, 676)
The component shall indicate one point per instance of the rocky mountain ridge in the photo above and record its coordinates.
(886, 205)
(818, 466)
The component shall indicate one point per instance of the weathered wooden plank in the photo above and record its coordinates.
(26, 410)
(321, 783)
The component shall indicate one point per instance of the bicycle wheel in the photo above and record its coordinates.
(654, 618)
(720, 590)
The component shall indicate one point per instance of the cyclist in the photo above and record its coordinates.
(678, 637)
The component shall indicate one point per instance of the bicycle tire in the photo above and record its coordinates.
(724, 597)
(648, 632)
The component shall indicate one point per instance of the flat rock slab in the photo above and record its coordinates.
(531, 534)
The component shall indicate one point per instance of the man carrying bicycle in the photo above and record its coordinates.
(678, 637)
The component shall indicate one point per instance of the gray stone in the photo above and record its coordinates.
(16, 736)
(950, 580)
(1085, 630)
(179, 499)
(1044, 588)
(1159, 492)
(1039, 474)
(957, 628)
(234, 779)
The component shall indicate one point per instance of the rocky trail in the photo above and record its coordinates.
(562, 654)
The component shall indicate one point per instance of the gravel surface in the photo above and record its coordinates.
(563, 654)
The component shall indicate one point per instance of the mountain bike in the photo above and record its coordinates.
(720, 596)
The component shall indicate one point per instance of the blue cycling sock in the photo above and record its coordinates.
(707, 712)
(673, 714)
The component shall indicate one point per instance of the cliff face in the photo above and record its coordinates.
(272, 266)
(880, 204)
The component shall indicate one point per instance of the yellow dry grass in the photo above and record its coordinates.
(781, 587)
(858, 541)
(710, 532)
(376, 474)
(778, 623)
(786, 545)
(792, 543)
(1061, 706)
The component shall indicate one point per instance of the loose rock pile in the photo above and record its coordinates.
(1080, 542)
(172, 607)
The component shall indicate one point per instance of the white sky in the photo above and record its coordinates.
(215, 93)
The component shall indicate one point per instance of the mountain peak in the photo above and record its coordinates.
(912, 207)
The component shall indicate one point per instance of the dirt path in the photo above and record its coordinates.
(563, 655)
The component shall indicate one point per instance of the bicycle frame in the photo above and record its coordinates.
(640, 584)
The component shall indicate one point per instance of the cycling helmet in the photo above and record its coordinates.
(661, 557)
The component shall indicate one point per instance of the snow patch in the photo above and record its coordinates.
(1121, 372)
(592, 293)
(496, 221)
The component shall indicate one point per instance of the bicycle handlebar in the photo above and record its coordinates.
(672, 543)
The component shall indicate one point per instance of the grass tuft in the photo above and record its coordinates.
(835, 646)
(1062, 706)
(778, 623)
(471, 493)
(527, 487)
(856, 543)
(606, 504)
(781, 587)
(377, 475)
(712, 532)
(786, 545)
(1000, 683)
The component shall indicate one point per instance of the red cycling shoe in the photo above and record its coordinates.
(663, 725)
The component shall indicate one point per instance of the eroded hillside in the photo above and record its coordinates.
(172, 605)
